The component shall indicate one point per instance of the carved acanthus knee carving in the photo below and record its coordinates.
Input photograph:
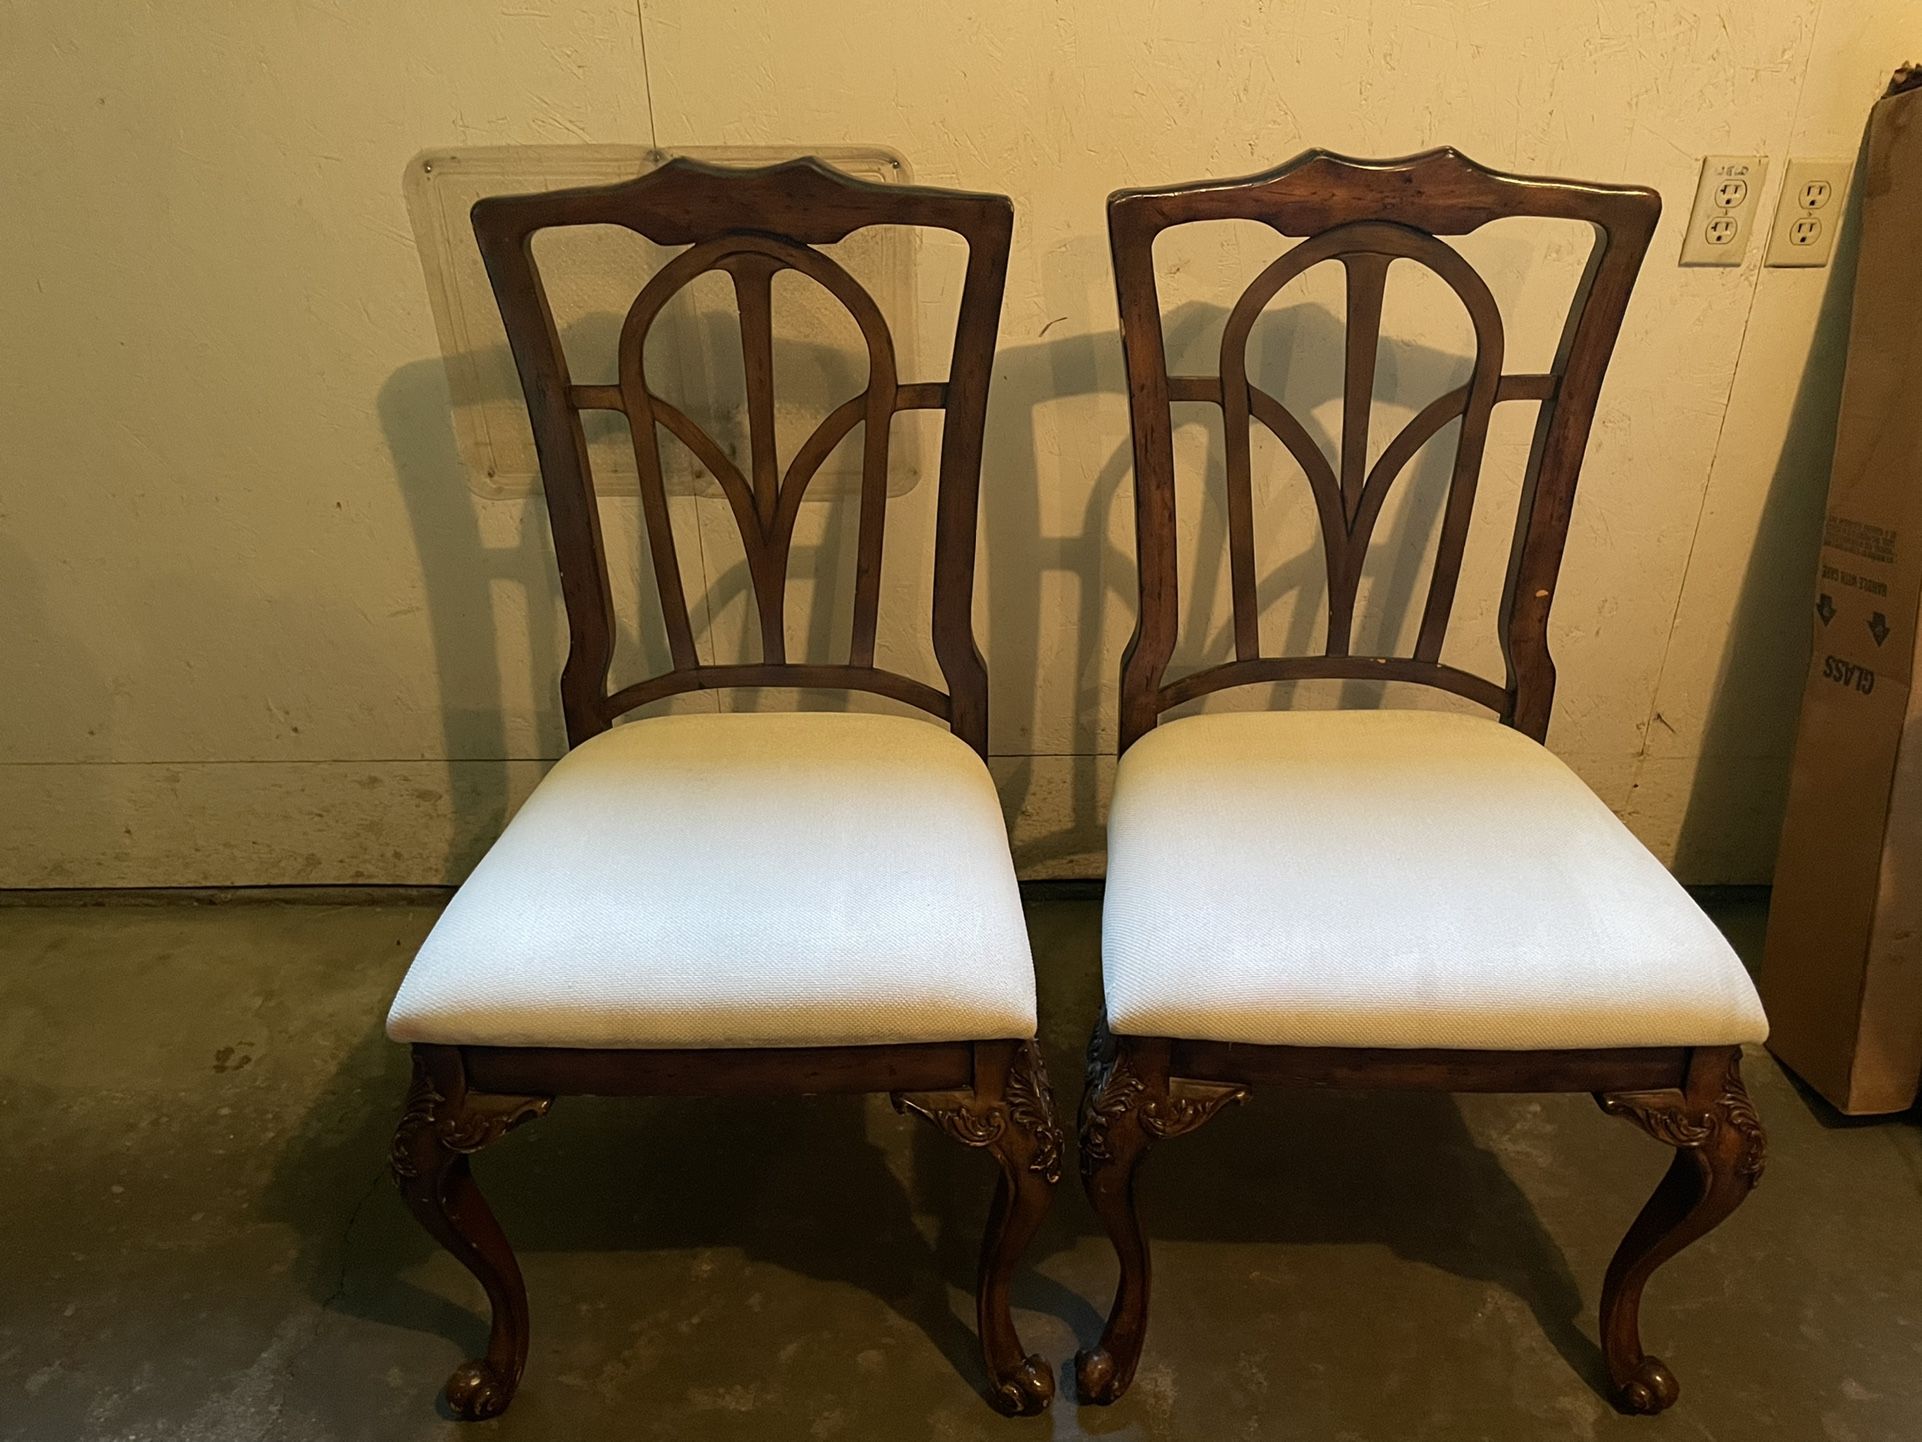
(1025, 1107)
(1167, 1107)
(1672, 1117)
(440, 1111)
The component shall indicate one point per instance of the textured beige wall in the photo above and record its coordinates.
(254, 627)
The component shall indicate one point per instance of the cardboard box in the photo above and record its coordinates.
(1842, 973)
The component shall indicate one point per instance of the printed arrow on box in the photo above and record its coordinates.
(1825, 608)
(1879, 627)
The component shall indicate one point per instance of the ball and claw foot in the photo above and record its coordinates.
(1651, 1389)
(1026, 1391)
(476, 1392)
(1097, 1381)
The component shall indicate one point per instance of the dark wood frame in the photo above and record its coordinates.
(753, 224)
(1365, 214)
(990, 1093)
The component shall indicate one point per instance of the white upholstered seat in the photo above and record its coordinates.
(1395, 879)
(738, 880)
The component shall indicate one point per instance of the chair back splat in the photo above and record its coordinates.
(1366, 215)
(753, 224)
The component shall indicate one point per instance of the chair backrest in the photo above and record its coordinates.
(753, 224)
(1365, 215)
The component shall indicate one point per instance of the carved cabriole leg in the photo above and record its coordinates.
(1130, 1101)
(1719, 1155)
(1028, 1151)
(1010, 1113)
(441, 1125)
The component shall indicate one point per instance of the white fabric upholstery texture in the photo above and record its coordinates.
(1395, 879)
(738, 880)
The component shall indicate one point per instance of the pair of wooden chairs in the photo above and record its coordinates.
(824, 902)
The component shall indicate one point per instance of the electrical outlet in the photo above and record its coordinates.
(1808, 212)
(1726, 198)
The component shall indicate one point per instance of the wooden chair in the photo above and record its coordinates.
(1397, 898)
(735, 903)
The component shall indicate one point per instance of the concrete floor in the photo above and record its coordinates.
(198, 1240)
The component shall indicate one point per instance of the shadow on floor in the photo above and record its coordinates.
(815, 1186)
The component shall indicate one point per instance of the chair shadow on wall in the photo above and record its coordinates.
(783, 1181)
(1103, 573)
(1764, 663)
(476, 583)
(465, 573)
(461, 571)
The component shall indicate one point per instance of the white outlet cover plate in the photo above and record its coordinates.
(1808, 212)
(1727, 199)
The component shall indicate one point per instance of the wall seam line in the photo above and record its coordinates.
(1721, 430)
(700, 541)
(647, 74)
